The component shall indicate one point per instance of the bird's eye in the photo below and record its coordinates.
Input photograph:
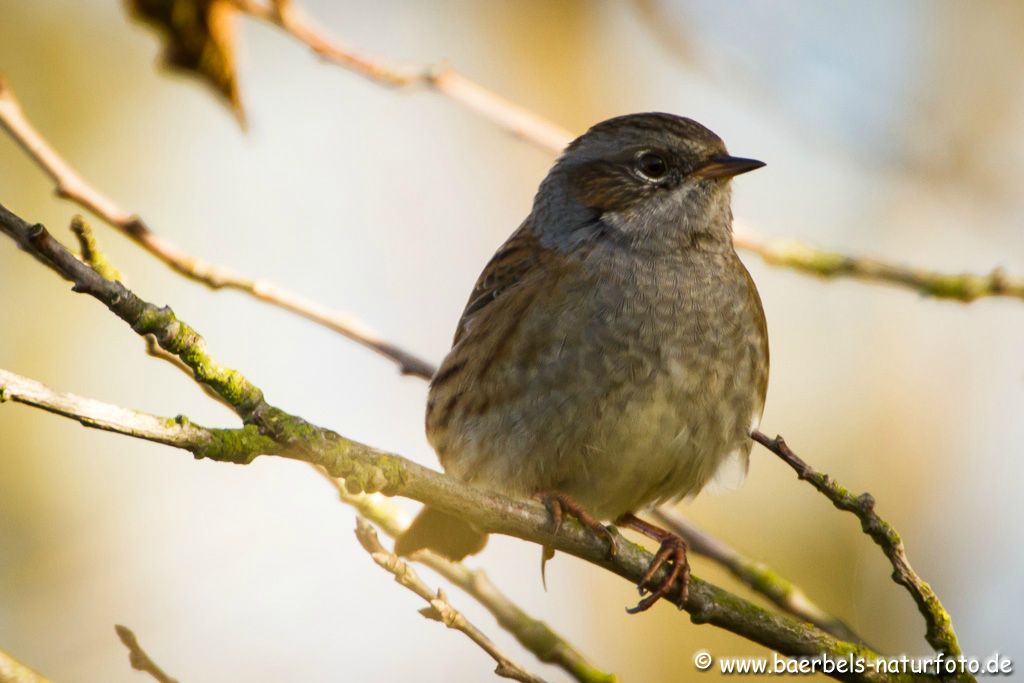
(652, 166)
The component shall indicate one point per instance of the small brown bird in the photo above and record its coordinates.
(613, 354)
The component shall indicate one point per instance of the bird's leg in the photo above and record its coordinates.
(672, 547)
(559, 504)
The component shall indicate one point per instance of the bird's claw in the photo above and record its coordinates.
(672, 548)
(559, 504)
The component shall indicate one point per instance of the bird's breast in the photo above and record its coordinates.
(638, 381)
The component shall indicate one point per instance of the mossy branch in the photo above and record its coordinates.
(366, 469)
(223, 445)
(962, 287)
(940, 633)
(241, 445)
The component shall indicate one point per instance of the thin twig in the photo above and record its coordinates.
(72, 186)
(141, 661)
(963, 287)
(444, 79)
(535, 635)
(940, 634)
(440, 608)
(367, 469)
(759, 576)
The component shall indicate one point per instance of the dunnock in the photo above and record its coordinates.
(613, 353)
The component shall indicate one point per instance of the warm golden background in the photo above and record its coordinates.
(892, 129)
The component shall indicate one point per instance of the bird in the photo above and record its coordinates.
(613, 354)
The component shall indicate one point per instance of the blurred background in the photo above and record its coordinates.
(890, 129)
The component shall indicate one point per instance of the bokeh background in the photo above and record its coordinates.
(890, 129)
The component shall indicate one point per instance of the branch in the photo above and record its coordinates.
(72, 186)
(497, 514)
(230, 445)
(242, 445)
(13, 671)
(366, 469)
(552, 138)
(443, 79)
(757, 575)
(440, 609)
(963, 287)
(940, 634)
(533, 634)
(140, 661)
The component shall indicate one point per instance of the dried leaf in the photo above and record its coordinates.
(199, 38)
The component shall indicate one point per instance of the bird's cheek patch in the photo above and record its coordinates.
(605, 186)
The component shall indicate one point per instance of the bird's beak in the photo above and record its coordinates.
(724, 166)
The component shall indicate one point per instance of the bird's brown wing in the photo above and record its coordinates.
(503, 293)
(478, 375)
(761, 333)
(520, 253)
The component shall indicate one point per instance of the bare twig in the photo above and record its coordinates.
(140, 661)
(72, 186)
(366, 469)
(13, 671)
(536, 636)
(940, 634)
(440, 608)
(510, 116)
(759, 576)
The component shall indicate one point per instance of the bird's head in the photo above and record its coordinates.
(652, 181)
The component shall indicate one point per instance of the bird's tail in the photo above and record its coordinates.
(442, 533)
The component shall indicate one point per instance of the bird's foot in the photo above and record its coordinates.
(559, 504)
(672, 548)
